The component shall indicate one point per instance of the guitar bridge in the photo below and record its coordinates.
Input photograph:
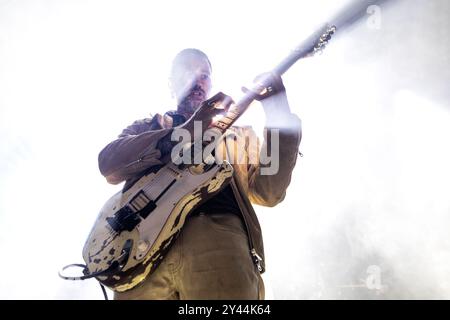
(124, 219)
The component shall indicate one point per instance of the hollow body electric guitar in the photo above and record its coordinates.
(137, 226)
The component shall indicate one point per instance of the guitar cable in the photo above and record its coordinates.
(86, 275)
(116, 266)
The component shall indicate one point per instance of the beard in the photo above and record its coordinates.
(192, 101)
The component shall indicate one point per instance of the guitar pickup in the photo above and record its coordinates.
(142, 204)
(139, 201)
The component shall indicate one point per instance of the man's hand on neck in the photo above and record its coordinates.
(204, 113)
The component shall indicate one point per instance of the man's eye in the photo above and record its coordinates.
(204, 77)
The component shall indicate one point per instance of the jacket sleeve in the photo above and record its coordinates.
(269, 180)
(135, 150)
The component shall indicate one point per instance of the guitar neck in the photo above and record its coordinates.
(345, 18)
(306, 48)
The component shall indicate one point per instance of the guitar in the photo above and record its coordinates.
(136, 227)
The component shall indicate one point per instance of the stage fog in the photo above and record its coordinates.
(367, 213)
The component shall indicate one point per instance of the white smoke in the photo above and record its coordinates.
(373, 186)
(367, 212)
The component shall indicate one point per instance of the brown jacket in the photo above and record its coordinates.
(137, 149)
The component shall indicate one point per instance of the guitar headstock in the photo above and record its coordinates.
(323, 40)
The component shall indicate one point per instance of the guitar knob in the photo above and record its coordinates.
(142, 245)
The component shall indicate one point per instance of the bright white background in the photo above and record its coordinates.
(371, 190)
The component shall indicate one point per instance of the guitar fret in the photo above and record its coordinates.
(221, 125)
(226, 120)
(232, 115)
